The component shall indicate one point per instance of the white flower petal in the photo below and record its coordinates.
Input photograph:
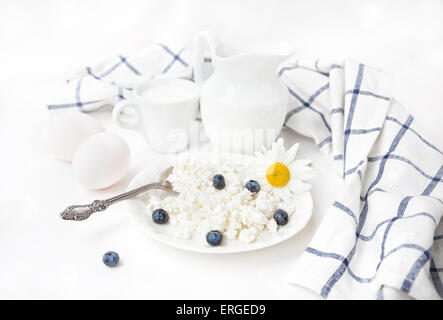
(290, 154)
(258, 154)
(280, 150)
(302, 162)
(273, 156)
(301, 172)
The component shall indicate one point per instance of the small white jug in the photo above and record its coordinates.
(243, 103)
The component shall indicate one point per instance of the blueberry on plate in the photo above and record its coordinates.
(218, 181)
(111, 258)
(160, 216)
(214, 238)
(281, 217)
(252, 186)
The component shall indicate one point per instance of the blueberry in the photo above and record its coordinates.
(160, 216)
(218, 181)
(111, 258)
(281, 217)
(214, 238)
(252, 186)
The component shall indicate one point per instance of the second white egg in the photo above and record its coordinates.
(101, 160)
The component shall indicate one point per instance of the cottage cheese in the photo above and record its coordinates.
(234, 210)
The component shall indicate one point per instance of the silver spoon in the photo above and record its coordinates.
(82, 212)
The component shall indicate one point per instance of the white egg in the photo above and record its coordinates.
(67, 130)
(101, 160)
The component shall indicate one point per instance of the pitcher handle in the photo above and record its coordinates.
(200, 40)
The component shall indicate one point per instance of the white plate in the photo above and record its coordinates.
(165, 233)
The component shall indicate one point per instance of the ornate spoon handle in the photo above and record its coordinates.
(82, 212)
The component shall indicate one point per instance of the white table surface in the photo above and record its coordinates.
(41, 42)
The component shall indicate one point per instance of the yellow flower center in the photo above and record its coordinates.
(277, 175)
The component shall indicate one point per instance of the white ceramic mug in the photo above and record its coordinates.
(163, 120)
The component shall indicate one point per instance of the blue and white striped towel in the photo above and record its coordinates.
(112, 80)
(380, 237)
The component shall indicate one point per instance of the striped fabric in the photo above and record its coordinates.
(381, 237)
(112, 80)
(382, 234)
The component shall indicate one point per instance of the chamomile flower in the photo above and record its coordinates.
(278, 168)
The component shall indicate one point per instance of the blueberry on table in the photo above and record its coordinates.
(111, 258)
(160, 216)
(218, 181)
(252, 186)
(281, 217)
(214, 238)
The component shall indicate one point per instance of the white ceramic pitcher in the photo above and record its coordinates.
(243, 103)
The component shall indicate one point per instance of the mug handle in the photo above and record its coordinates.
(199, 42)
(124, 119)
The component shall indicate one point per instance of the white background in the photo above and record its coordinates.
(44, 42)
